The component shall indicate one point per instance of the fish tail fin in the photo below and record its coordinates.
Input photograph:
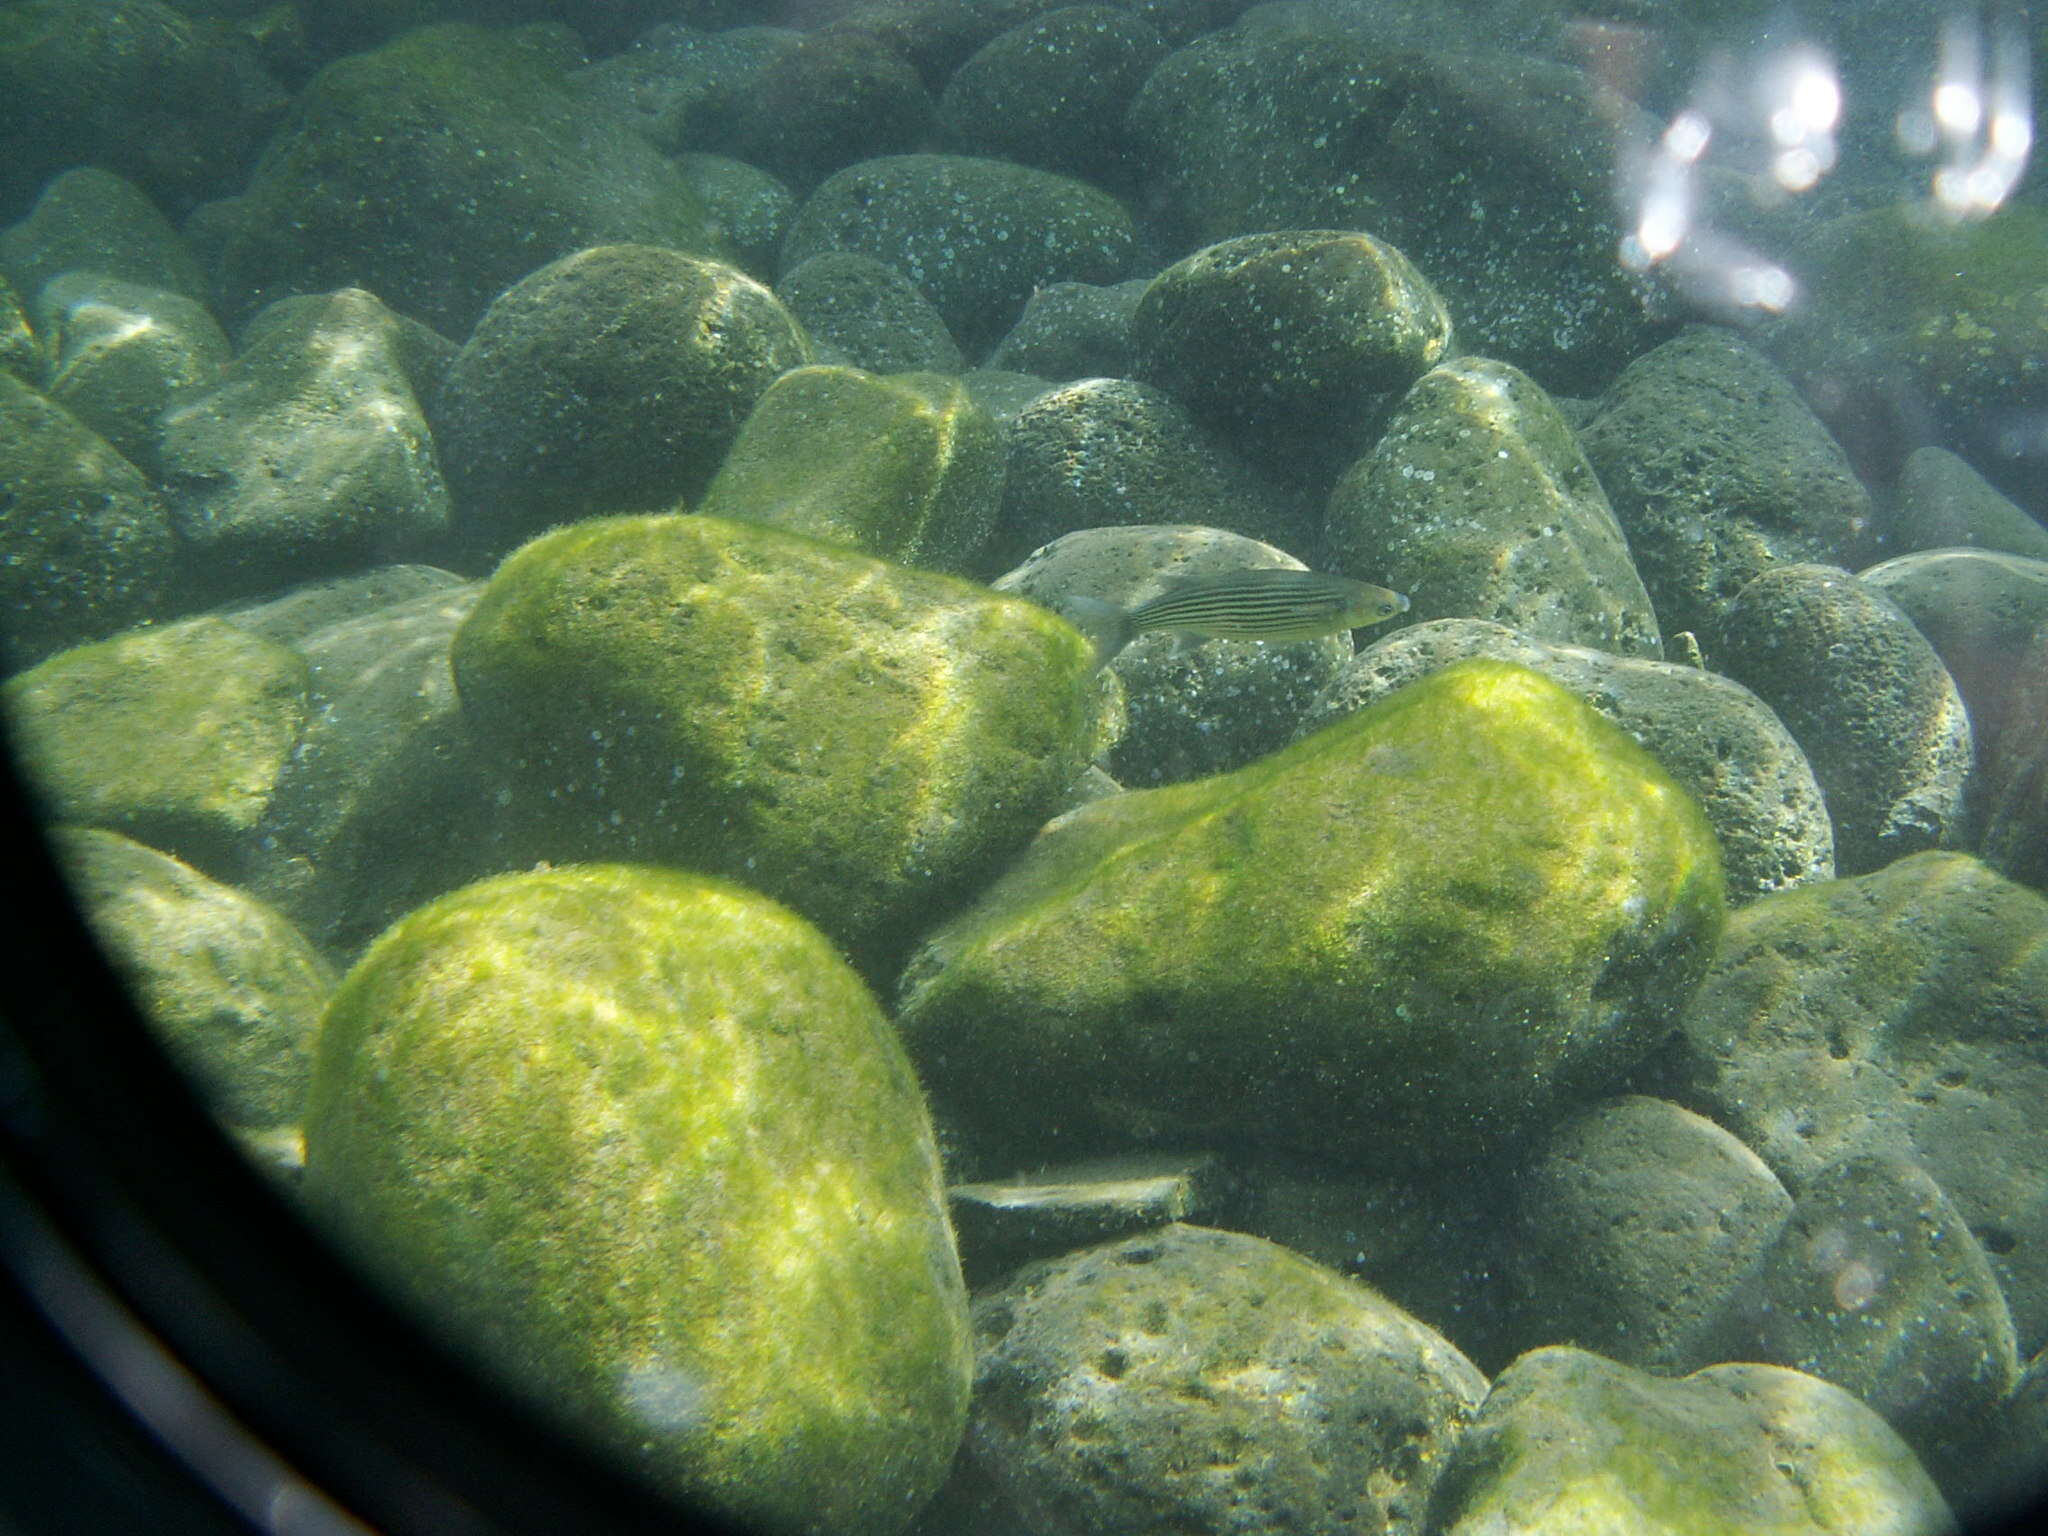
(1108, 627)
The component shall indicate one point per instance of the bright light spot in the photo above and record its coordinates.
(1661, 227)
(1817, 97)
(1957, 107)
(2012, 134)
(1796, 170)
(1687, 136)
(1764, 287)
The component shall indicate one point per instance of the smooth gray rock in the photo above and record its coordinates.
(89, 219)
(1941, 502)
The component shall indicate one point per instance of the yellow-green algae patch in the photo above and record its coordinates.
(645, 1144)
(906, 466)
(859, 739)
(1429, 922)
(175, 735)
(1572, 1444)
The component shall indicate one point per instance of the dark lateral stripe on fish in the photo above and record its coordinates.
(1243, 607)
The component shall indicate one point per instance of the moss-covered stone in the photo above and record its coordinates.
(233, 989)
(907, 467)
(437, 170)
(176, 736)
(612, 380)
(85, 545)
(1203, 1382)
(1414, 932)
(1570, 1443)
(977, 236)
(647, 1147)
(859, 739)
(1290, 339)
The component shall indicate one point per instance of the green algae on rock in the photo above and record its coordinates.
(1196, 1381)
(906, 466)
(859, 739)
(1569, 1443)
(175, 735)
(611, 380)
(648, 1148)
(229, 985)
(1416, 932)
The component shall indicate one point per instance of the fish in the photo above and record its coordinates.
(1256, 603)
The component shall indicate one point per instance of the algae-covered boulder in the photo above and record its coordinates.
(176, 735)
(1570, 1443)
(1411, 934)
(1203, 1383)
(232, 989)
(647, 1147)
(613, 380)
(859, 739)
(436, 170)
(907, 466)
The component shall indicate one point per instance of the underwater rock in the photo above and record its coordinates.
(613, 380)
(1494, 174)
(1979, 609)
(1717, 739)
(21, 350)
(385, 802)
(683, 88)
(175, 735)
(86, 547)
(177, 103)
(1718, 471)
(311, 457)
(862, 740)
(1074, 331)
(91, 220)
(1942, 502)
(751, 209)
(1569, 1442)
(229, 986)
(1209, 1382)
(1477, 501)
(1876, 1284)
(1915, 328)
(834, 98)
(1193, 705)
(907, 466)
(869, 313)
(1053, 92)
(649, 1151)
(1411, 937)
(2015, 778)
(1101, 453)
(1867, 699)
(122, 352)
(436, 171)
(1903, 1012)
(1294, 337)
(1636, 1220)
(976, 236)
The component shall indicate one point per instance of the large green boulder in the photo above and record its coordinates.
(862, 740)
(1413, 934)
(649, 1149)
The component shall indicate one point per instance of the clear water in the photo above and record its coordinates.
(535, 544)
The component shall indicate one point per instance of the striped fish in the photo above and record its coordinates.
(1252, 604)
